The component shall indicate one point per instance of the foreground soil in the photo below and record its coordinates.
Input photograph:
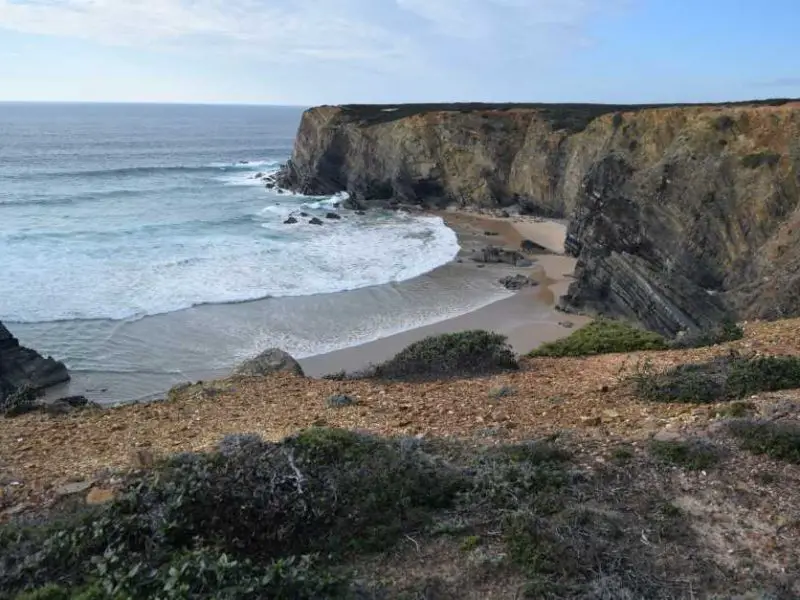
(746, 510)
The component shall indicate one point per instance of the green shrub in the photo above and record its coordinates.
(322, 491)
(780, 441)
(758, 159)
(466, 353)
(727, 331)
(700, 383)
(763, 374)
(724, 378)
(602, 337)
(694, 455)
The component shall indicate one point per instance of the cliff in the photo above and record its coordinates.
(22, 366)
(679, 215)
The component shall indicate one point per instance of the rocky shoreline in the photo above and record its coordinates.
(680, 216)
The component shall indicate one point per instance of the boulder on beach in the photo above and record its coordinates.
(315, 221)
(268, 362)
(493, 254)
(332, 215)
(290, 221)
(517, 282)
(303, 214)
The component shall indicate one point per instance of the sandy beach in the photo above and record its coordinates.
(527, 317)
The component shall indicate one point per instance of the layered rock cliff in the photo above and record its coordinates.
(20, 366)
(679, 215)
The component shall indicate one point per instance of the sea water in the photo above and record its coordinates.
(139, 244)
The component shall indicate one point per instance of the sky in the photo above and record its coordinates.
(309, 52)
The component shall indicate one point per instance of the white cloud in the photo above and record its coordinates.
(386, 34)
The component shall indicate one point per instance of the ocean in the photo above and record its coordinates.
(139, 246)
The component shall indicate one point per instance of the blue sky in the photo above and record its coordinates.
(308, 52)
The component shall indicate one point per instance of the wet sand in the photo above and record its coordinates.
(528, 317)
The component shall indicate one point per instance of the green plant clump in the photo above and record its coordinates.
(780, 441)
(452, 354)
(694, 455)
(724, 378)
(603, 337)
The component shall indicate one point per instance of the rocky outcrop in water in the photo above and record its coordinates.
(22, 367)
(679, 215)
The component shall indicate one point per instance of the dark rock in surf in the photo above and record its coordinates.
(332, 215)
(517, 282)
(290, 221)
(493, 254)
(20, 366)
(315, 221)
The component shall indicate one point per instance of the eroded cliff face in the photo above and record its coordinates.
(678, 215)
(21, 366)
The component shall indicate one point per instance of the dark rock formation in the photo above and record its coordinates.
(290, 221)
(493, 254)
(531, 247)
(517, 282)
(315, 221)
(268, 362)
(332, 215)
(22, 367)
(679, 216)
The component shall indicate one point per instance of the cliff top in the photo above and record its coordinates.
(665, 494)
(573, 116)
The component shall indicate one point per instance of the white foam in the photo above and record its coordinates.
(244, 174)
(128, 276)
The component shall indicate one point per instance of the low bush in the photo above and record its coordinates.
(602, 337)
(730, 377)
(692, 455)
(322, 491)
(451, 354)
(780, 441)
(727, 331)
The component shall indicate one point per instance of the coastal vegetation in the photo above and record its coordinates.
(723, 378)
(605, 336)
(462, 354)
(602, 336)
(294, 520)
